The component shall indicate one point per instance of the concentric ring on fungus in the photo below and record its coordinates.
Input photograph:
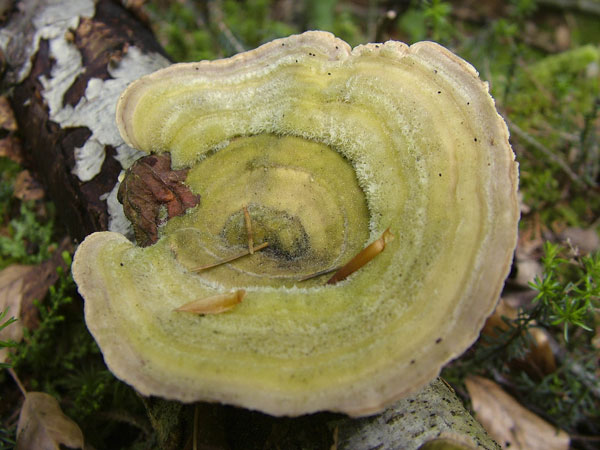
(324, 147)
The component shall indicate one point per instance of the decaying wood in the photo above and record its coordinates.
(66, 62)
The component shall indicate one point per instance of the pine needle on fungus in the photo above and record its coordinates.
(363, 257)
(231, 258)
(248, 222)
(215, 304)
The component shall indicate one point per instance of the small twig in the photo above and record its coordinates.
(216, 12)
(248, 222)
(363, 257)
(545, 150)
(231, 258)
(16, 378)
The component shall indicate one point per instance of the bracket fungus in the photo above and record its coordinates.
(314, 148)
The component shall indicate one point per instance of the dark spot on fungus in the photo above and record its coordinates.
(122, 264)
(468, 103)
(438, 340)
(377, 46)
(440, 174)
(328, 73)
(283, 45)
(197, 68)
(439, 92)
(434, 70)
(475, 139)
(412, 361)
(336, 47)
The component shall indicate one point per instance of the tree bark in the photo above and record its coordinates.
(66, 63)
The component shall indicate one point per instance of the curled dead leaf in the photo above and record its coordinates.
(495, 324)
(20, 286)
(27, 188)
(10, 147)
(215, 304)
(586, 240)
(43, 425)
(150, 184)
(11, 295)
(539, 359)
(7, 118)
(509, 423)
(540, 355)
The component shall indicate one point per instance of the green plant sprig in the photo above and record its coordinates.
(568, 289)
(4, 344)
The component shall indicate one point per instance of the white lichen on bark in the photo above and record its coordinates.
(431, 413)
(52, 21)
(96, 110)
(116, 218)
(37, 20)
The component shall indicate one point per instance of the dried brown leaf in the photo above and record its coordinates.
(7, 118)
(10, 147)
(20, 286)
(11, 296)
(214, 304)
(149, 184)
(43, 425)
(27, 188)
(540, 355)
(495, 324)
(509, 423)
(539, 359)
(586, 240)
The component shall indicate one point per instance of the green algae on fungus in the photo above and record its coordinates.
(325, 147)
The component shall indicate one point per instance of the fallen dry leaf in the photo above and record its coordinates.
(11, 296)
(10, 147)
(43, 425)
(20, 286)
(149, 184)
(586, 240)
(27, 188)
(7, 118)
(494, 325)
(540, 355)
(539, 360)
(509, 423)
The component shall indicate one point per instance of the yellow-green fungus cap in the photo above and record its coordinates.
(324, 147)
